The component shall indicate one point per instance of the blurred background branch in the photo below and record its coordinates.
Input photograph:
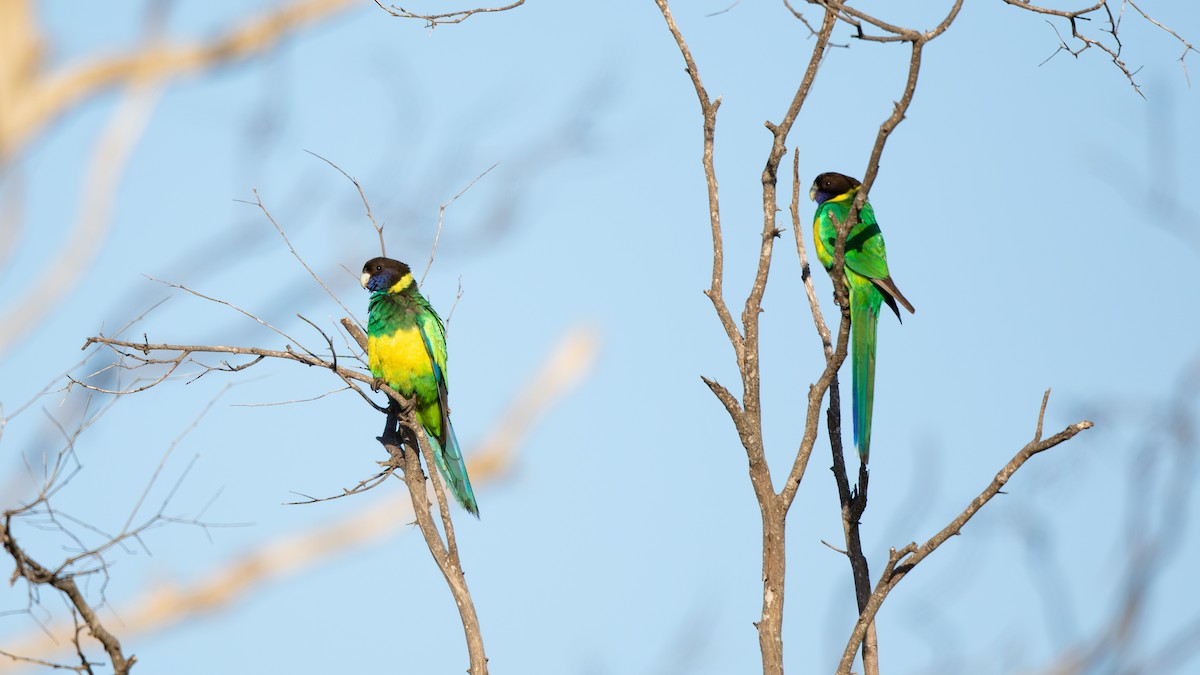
(32, 97)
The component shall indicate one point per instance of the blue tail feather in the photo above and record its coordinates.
(864, 321)
(450, 464)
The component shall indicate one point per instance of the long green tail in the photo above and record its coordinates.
(453, 469)
(865, 301)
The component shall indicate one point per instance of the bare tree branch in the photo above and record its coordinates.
(1075, 16)
(89, 559)
(441, 214)
(805, 269)
(444, 551)
(361, 195)
(747, 417)
(708, 109)
(1187, 46)
(457, 16)
(30, 569)
(49, 664)
(902, 561)
(263, 207)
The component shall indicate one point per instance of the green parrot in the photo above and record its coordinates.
(406, 348)
(867, 280)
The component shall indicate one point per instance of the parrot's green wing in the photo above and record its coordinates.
(433, 333)
(865, 252)
(446, 453)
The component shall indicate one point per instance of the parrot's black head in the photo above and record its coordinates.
(829, 185)
(385, 274)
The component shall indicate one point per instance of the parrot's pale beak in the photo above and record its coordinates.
(812, 193)
(366, 276)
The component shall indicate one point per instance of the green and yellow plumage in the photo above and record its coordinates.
(406, 349)
(868, 282)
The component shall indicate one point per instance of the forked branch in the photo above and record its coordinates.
(64, 582)
(902, 561)
(1113, 47)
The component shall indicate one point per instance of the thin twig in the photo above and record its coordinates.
(227, 304)
(263, 207)
(184, 352)
(362, 486)
(1187, 46)
(1073, 17)
(362, 196)
(48, 664)
(805, 269)
(290, 401)
(458, 16)
(442, 212)
(708, 109)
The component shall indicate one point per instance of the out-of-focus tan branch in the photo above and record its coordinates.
(20, 53)
(31, 98)
(12, 212)
(169, 604)
(562, 371)
(86, 238)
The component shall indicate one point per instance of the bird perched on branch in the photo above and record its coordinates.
(406, 349)
(868, 284)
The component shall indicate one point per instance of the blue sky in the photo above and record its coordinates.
(1037, 215)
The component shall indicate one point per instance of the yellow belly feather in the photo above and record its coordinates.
(399, 359)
